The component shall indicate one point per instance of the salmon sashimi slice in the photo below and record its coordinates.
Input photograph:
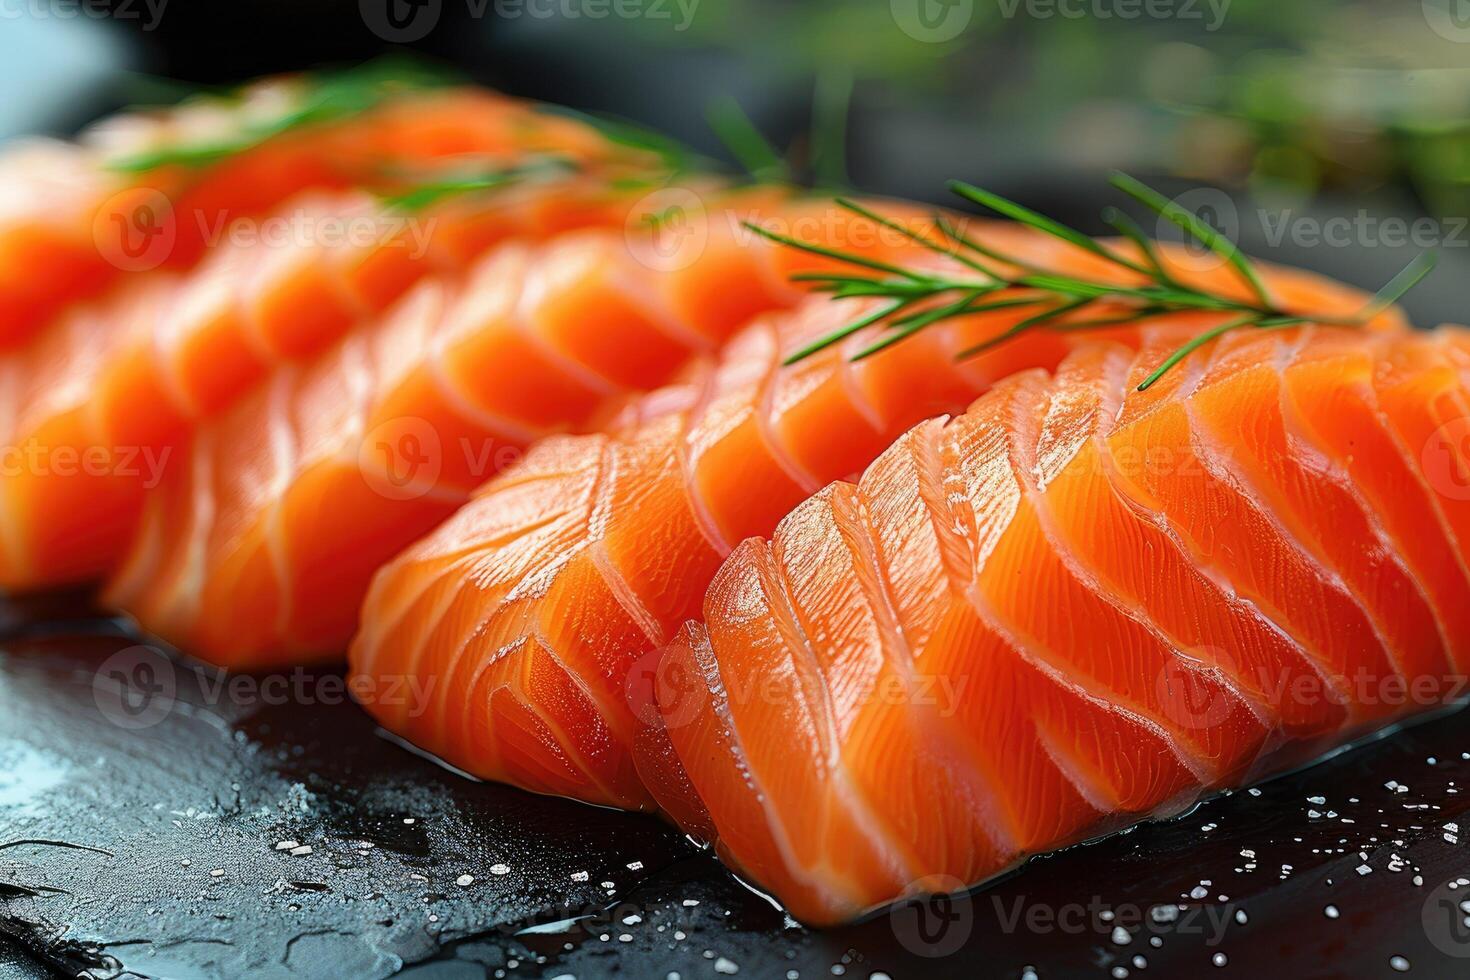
(257, 547)
(155, 190)
(1073, 607)
(126, 394)
(536, 629)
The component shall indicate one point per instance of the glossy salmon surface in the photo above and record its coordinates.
(538, 611)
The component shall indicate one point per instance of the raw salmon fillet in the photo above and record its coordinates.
(258, 545)
(1074, 607)
(99, 403)
(76, 217)
(535, 615)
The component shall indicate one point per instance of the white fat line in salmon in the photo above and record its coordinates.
(34, 458)
(1208, 920)
(1212, 12)
(305, 228)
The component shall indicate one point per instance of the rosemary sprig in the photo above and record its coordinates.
(1001, 281)
(326, 96)
(746, 142)
(439, 188)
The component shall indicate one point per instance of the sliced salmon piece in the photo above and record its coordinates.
(74, 218)
(1115, 595)
(259, 549)
(538, 631)
(143, 382)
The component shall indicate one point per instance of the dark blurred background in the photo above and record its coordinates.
(1302, 111)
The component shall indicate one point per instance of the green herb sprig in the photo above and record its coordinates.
(421, 194)
(326, 96)
(1000, 281)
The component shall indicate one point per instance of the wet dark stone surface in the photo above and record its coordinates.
(156, 824)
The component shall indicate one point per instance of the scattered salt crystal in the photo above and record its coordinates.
(500, 869)
(723, 965)
(464, 881)
(1219, 959)
(1164, 913)
(217, 873)
(1331, 912)
(287, 845)
(580, 876)
(635, 865)
(1198, 892)
(1121, 936)
(1241, 917)
(301, 851)
(1399, 964)
(1319, 800)
(409, 821)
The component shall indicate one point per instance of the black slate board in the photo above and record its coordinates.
(218, 781)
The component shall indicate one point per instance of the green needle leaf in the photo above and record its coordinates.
(1063, 294)
(1030, 323)
(849, 257)
(745, 141)
(1025, 215)
(1192, 225)
(1393, 291)
(827, 340)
